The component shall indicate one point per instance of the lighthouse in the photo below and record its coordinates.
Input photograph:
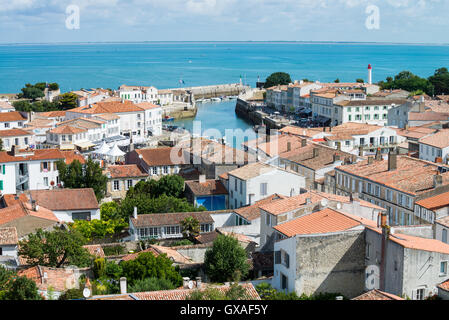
(370, 74)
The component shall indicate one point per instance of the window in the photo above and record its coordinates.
(206, 228)
(6, 125)
(368, 249)
(241, 187)
(116, 185)
(130, 183)
(420, 294)
(81, 216)
(235, 184)
(165, 170)
(171, 230)
(46, 181)
(443, 267)
(284, 282)
(154, 170)
(268, 219)
(263, 189)
(444, 236)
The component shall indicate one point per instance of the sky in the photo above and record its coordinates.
(398, 21)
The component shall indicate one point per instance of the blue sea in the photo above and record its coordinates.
(109, 65)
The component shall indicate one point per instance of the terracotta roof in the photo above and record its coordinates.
(323, 156)
(324, 221)
(372, 102)
(252, 170)
(224, 176)
(435, 202)
(291, 203)
(377, 295)
(444, 285)
(279, 144)
(95, 250)
(253, 212)
(168, 219)
(14, 133)
(412, 176)
(133, 256)
(189, 174)
(66, 199)
(44, 277)
(443, 221)
(416, 243)
(108, 107)
(11, 116)
(6, 105)
(182, 294)
(214, 152)
(66, 129)
(147, 105)
(52, 114)
(303, 132)
(125, 171)
(161, 156)
(439, 139)
(427, 116)
(210, 187)
(207, 237)
(23, 209)
(8, 236)
(415, 132)
(40, 154)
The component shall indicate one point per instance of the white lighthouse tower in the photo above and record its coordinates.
(370, 74)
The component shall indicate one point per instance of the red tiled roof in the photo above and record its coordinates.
(66, 199)
(444, 285)
(95, 250)
(46, 277)
(11, 116)
(40, 154)
(324, 221)
(125, 171)
(377, 295)
(209, 187)
(253, 212)
(439, 139)
(436, 202)
(161, 156)
(182, 294)
(14, 133)
(67, 129)
(8, 236)
(23, 209)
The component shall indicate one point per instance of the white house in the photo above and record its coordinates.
(11, 120)
(256, 181)
(22, 170)
(435, 147)
(18, 137)
(68, 205)
(138, 94)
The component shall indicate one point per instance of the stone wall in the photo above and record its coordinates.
(331, 263)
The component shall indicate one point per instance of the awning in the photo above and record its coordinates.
(84, 145)
(67, 147)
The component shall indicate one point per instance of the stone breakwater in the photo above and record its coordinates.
(215, 91)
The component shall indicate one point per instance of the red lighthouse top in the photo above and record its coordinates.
(369, 66)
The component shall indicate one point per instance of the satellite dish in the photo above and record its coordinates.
(86, 292)
(324, 202)
(190, 284)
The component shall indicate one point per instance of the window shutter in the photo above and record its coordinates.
(42, 166)
(3, 169)
(277, 257)
(1, 185)
(287, 260)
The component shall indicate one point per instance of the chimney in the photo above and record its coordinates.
(33, 205)
(378, 154)
(360, 151)
(202, 178)
(370, 160)
(185, 282)
(123, 288)
(198, 282)
(289, 146)
(385, 234)
(382, 222)
(392, 161)
(316, 152)
(303, 143)
(14, 150)
(135, 213)
(437, 180)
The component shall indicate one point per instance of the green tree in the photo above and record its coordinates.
(98, 229)
(171, 185)
(32, 93)
(67, 101)
(151, 284)
(146, 265)
(22, 288)
(109, 211)
(190, 228)
(337, 80)
(359, 80)
(55, 248)
(225, 258)
(53, 86)
(406, 80)
(440, 81)
(278, 78)
(72, 294)
(162, 204)
(235, 292)
(88, 175)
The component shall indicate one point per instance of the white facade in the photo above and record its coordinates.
(139, 94)
(430, 153)
(20, 141)
(69, 215)
(246, 192)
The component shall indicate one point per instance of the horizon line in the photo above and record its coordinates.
(225, 41)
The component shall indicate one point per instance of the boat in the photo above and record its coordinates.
(215, 99)
(199, 101)
(168, 118)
